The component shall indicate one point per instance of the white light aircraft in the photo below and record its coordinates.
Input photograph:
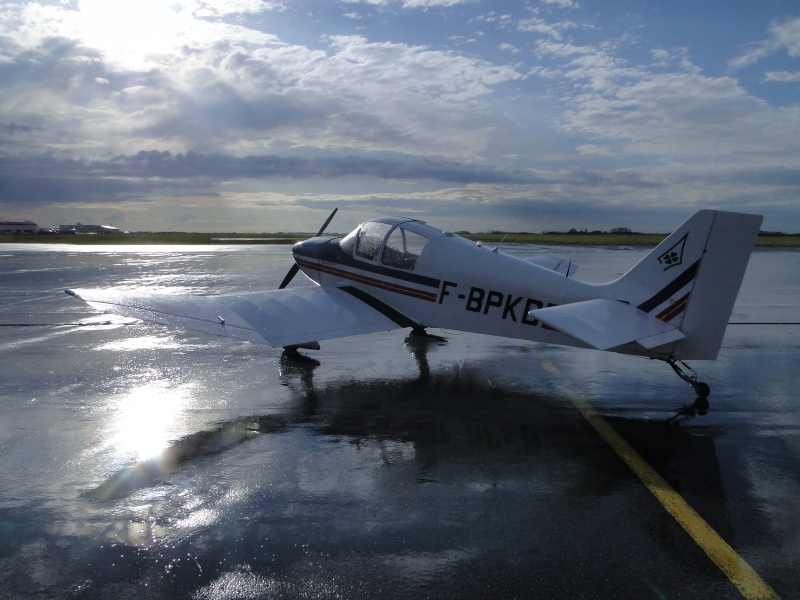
(392, 273)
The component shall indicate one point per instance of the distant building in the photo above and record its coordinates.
(80, 228)
(18, 227)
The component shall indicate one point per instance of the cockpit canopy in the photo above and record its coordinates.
(394, 241)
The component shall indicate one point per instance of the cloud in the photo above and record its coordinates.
(562, 3)
(243, 90)
(783, 35)
(220, 8)
(595, 150)
(783, 76)
(687, 116)
(412, 3)
(146, 165)
(132, 34)
(462, 195)
(666, 109)
(555, 30)
(430, 3)
(13, 129)
(279, 107)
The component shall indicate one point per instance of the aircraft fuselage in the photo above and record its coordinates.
(455, 284)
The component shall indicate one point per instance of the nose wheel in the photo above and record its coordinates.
(686, 373)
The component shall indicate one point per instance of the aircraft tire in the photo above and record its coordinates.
(702, 389)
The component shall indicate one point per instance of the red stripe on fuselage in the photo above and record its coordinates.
(674, 310)
(378, 283)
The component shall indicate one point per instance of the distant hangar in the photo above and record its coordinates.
(29, 227)
(22, 227)
(80, 228)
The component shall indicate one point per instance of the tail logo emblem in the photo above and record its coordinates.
(674, 256)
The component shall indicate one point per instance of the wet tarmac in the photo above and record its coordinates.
(142, 461)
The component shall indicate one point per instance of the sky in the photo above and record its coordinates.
(261, 116)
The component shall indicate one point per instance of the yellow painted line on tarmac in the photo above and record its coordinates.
(741, 574)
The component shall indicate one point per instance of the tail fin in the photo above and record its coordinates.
(692, 278)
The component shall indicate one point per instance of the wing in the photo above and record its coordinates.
(606, 324)
(279, 318)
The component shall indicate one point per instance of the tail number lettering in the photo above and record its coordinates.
(481, 301)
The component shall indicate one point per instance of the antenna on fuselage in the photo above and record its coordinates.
(497, 248)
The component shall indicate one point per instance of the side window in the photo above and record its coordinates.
(403, 249)
(370, 238)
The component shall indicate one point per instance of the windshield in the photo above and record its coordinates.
(399, 245)
(370, 238)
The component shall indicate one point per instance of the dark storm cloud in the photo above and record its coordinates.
(612, 179)
(531, 214)
(47, 189)
(14, 129)
(777, 176)
(166, 165)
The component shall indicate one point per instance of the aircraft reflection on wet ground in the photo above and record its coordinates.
(136, 460)
(443, 416)
(437, 466)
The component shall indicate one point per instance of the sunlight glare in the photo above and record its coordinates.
(131, 31)
(145, 420)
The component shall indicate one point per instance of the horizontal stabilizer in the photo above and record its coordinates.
(278, 318)
(606, 324)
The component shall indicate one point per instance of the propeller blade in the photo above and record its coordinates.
(289, 276)
(294, 269)
(327, 222)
